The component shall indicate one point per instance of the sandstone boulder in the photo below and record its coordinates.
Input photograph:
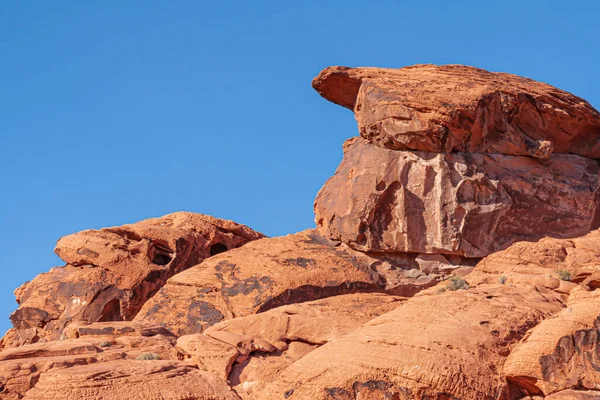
(116, 328)
(558, 264)
(252, 351)
(260, 276)
(460, 108)
(315, 322)
(111, 272)
(384, 201)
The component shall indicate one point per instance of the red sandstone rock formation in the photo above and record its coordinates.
(111, 272)
(518, 330)
(459, 108)
(255, 278)
(354, 309)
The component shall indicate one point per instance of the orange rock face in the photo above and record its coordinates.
(384, 200)
(255, 278)
(102, 343)
(562, 351)
(131, 379)
(111, 272)
(459, 108)
(503, 335)
(252, 351)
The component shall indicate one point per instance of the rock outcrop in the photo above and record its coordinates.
(455, 256)
(515, 328)
(255, 278)
(111, 272)
(261, 346)
(458, 108)
(132, 380)
(457, 160)
(468, 204)
(106, 342)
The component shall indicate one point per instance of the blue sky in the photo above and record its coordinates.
(116, 111)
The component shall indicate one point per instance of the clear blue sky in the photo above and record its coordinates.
(116, 111)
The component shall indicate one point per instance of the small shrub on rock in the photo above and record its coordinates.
(456, 283)
(104, 343)
(148, 356)
(564, 275)
(502, 279)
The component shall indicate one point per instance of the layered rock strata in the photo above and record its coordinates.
(454, 160)
(459, 108)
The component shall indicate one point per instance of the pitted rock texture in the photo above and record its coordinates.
(382, 200)
(460, 108)
(523, 325)
(260, 276)
(111, 272)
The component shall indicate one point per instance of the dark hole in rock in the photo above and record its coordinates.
(111, 311)
(361, 239)
(362, 227)
(161, 259)
(217, 248)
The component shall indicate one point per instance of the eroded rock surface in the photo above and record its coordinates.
(460, 108)
(260, 276)
(382, 200)
(562, 352)
(131, 379)
(453, 341)
(252, 351)
(111, 272)
(451, 344)
(575, 395)
(21, 367)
